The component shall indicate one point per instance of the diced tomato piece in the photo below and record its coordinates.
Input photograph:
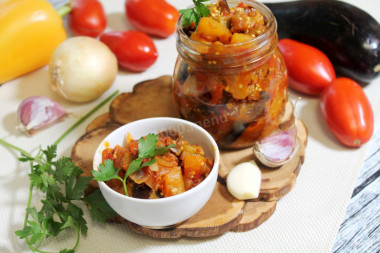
(133, 147)
(107, 154)
(114, 183)
(118, 156)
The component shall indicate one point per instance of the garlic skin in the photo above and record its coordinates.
(244, 181)
(37, 112)
(278, 148)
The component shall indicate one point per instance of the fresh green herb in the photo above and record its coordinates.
(50, 175)
(147, 149)
(194, 15)
(99, 208)
(59, 180)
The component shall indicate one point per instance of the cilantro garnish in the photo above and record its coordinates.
(62, 188)
(194, 15)
(146, 149)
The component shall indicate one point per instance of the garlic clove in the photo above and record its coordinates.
(37, 112)
(278, 148)
(244, 181)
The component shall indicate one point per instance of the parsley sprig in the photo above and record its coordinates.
(58, 179)
(146, 149)
(194, 15)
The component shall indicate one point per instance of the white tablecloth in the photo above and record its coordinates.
(306, 220)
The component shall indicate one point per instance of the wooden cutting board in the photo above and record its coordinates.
(222, 212)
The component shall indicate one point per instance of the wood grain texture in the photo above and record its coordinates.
(360, 229)
(361, 223)
(100, 121)
(254, 214)
(131, 106)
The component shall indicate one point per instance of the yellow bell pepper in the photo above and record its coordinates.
(30, 30)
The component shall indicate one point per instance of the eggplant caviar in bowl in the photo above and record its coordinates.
(157, 172)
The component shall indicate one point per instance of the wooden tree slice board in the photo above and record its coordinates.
(82, 153)
(222, 212)
(100, 121)
(276, 182)
(152, 98)
(255, 214)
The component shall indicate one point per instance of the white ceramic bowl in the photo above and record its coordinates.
(164, 212)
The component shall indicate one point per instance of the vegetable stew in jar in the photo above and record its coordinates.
(230, 77)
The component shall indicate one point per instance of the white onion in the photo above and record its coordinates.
(82, 69)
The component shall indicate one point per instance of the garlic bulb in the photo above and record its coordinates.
(278, 148)
(37, 112)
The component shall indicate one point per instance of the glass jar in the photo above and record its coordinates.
(237, 92)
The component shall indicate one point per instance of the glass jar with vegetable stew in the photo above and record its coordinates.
(230, 77)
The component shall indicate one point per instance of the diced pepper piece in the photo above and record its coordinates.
(212, 30)
(202, 47)
(193, 166)
(128, 138)
(196, 37)
(194, 149)
(238, 85)
(240, 38)
(173, 182)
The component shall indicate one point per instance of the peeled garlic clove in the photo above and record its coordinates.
(244, 181)
(37, 112)
(277, 149)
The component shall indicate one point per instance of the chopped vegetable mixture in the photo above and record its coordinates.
(182, 168)
(237, 88)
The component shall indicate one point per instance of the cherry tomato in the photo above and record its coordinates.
(134, 50)
(309, 69)
(347, 112)
(154, 17)
(87, 18)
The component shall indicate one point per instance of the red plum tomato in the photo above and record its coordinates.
(309, 69)
(134, 50)
(154, 17)
(87, 18)
(347, 112)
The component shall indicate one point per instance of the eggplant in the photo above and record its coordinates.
(349, 36)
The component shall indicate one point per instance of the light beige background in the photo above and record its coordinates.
(306, 220)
